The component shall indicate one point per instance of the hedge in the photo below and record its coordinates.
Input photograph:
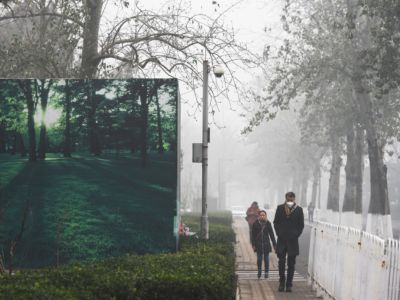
(200, 270)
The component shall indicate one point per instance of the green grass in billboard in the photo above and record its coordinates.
(88, 169)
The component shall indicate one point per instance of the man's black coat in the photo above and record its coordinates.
(261, 233)
(288, 229)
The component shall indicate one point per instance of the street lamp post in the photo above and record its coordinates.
(204, 161)
(218, 71)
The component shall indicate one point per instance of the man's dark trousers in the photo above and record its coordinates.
(291, 260)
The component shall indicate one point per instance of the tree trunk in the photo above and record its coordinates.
(334, 179)
(304, 190)
(349, 202)
(159, 127)
(27, 90)
(144, 115)
(133, 145)
(21, 145)
(94, 142)
(316, 178)
(2, 137)
(359, 167)
(352, 204)
(379, 221)
(89, 64)
(319, 191)
(14, 143)
(67, 132)
(44, 97)
(379, 202)
(18, 144)
(42, 141)
(296, 186)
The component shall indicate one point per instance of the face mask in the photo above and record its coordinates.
(289, 203)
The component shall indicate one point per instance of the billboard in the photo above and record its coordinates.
(88, 169)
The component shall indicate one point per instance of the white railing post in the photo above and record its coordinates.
(346, 263)
(393, 268)
(311, 256)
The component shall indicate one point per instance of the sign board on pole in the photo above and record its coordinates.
(197, 153)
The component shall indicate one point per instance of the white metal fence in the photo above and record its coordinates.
(346, 263)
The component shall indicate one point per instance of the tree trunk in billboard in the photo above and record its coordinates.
(26, 88)
(14, 143)
(21, 145)
(94, 142)
(334, 179)
(133, 145)
(144, 115)
(2, 137)
(44, 97)
(67, 133)
(134, 116)
(159, 127)
(90, 45)
(18, 145)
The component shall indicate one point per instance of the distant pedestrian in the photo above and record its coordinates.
(311, 212)
(252, 216)
(262, 233)
(289, 224)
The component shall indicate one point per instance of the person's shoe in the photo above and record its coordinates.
(288, 289)
(266, 275)
(259, 275)
(281, 288)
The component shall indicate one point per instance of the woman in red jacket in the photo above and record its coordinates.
(252, 216)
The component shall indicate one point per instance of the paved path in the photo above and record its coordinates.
(251, 288)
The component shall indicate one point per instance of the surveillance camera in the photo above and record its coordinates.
(218, 71)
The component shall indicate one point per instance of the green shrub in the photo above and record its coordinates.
(223, 217)
(200, 270)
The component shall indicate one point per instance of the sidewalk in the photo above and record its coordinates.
(251, 288)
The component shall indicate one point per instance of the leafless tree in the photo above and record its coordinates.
(76, 40)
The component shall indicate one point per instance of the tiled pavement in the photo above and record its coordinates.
(251, 288)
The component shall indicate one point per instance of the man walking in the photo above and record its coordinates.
(288, 224)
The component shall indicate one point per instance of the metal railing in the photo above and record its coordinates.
(346, 263)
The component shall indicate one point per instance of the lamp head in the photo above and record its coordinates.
(218, 71)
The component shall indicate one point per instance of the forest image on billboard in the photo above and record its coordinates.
(88, 169)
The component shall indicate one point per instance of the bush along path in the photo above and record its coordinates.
(199, 270)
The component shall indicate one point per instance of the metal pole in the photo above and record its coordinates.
(219, 184)
(204, 216)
